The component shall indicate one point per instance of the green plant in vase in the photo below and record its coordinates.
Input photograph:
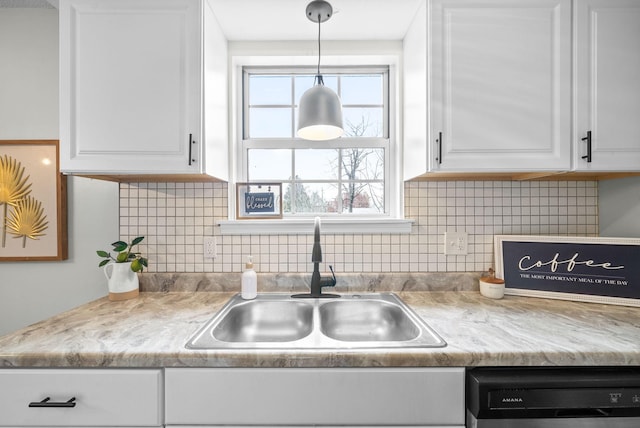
(124, 254)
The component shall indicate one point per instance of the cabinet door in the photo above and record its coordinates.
(307, 426)
(500, 89)
(79, 397)
(607, 85)
(307, 397)
(130, 86)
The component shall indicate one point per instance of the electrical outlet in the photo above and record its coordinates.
(210, 247)
(456, 243)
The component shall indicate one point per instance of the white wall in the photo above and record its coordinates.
(620, 207)
(31, 291)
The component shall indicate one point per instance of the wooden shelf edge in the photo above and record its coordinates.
(524, 176)
(431, 176)
(153, 178)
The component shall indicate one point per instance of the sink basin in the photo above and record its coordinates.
(368, 320)
(265, 321)
(276, 321)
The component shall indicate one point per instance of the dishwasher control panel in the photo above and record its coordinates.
(558, 392)
(550, 398)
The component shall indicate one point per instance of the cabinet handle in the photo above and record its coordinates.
(48, 403)
(588, 140)
(191, 143)
(439, 141)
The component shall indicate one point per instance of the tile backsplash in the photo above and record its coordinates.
(174, 218)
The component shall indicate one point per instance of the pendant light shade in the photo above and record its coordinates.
(320, 116)
(320, 110)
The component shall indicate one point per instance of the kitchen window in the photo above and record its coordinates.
(344, 176)
(349, 180)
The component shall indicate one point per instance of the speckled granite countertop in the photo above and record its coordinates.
(150, 331)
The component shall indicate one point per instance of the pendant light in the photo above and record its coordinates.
(320, 113)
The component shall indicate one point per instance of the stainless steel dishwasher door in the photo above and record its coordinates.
(558, 397)
(590, 422)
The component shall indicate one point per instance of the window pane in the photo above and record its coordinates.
(363, 164)
(363, 198)
(269, 164)
(363, 122)
(270, 122)
(310, 198)
(314, 164)
(269, 90)
(362, 89)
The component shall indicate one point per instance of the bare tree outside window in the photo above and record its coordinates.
(360, 167)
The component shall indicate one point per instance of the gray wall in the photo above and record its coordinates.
(31, 291)
(620, 207)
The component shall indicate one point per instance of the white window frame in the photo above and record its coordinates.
(383, 142)
(392, 222)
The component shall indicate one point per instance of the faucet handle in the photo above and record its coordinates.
(333, 274)
(331, 282)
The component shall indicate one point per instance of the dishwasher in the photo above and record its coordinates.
(562, 397)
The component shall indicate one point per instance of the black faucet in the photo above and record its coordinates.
(317, 282)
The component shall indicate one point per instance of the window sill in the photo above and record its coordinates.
(305, 226)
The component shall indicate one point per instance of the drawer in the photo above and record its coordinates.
(341, 396)
(102, 397)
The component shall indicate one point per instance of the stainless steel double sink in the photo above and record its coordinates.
(277, 321)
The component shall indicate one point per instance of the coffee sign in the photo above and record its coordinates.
(604, 270)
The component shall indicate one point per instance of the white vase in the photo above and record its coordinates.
(122, 281)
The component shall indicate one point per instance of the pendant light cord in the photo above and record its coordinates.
(318, 79)
(318, 43)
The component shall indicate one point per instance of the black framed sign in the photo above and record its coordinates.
(602, 270)
(258, 201)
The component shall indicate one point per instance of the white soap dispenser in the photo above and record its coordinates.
(249, 281)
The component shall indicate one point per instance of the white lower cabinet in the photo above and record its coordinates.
(233, 397)
(80, 398)
(381, 397)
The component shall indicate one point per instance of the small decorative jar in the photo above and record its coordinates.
(490, 286)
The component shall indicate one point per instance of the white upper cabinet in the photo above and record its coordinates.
(415, 130)
(132, 88)
(607, 74)
(498, 86)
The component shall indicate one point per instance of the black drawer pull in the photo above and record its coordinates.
(191, 143)
(587, 157)
(48, 403)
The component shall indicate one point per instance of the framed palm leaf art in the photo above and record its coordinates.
(33, 201)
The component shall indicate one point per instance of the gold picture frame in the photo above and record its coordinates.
(33, 201)
(266, 201)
